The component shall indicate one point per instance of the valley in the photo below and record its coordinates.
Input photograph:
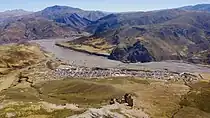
(83, 59)
(65, 62)
(57, 84)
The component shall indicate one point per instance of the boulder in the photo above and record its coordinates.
(52, 64)
(128, 99)
(112, 102)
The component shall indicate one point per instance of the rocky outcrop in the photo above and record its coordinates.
(133, 54)
(126, 99)
(112, 111)
(98, 113)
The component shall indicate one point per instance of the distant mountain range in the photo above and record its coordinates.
(55, 21)
(13, 13)
(181, 33)
(32, 28)
(199, 7)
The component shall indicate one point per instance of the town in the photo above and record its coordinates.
(96, 72)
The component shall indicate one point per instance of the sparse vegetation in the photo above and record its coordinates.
(80, 91)
(91, 45)
(158, 99)
(20, 55)
(34, 85)
(198, 97)
(29, 109)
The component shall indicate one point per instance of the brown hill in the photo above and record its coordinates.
(52, 22)
(18, 56)
(31, 28)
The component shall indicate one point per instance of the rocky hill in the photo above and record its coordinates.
(31, 28)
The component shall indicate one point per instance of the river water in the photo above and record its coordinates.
(83, 59)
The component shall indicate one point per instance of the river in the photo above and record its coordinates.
(83, 59)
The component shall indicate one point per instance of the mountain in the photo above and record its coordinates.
(161, 35)
(113, 21)
(171, 34)
(56, 11)
(31, 28)
(199, 7)
(74, 17)
(8, 15)
(52, 22)
(13, 13)
(73, 21)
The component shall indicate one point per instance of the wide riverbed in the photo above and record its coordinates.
(83, 59)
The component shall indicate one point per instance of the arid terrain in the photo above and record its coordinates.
(65, 62)
(45, 83)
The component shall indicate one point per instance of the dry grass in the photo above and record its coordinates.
(19, 55)
(90, 49)
(198, 97)
(190, 112)
(159, 99)
(16, 94)
(97, 45)
(65, 91)
(206, 76)
(80, 91)
(31, 110)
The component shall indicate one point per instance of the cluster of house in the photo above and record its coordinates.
(85, 72)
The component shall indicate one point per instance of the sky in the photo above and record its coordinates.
(102, 5)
